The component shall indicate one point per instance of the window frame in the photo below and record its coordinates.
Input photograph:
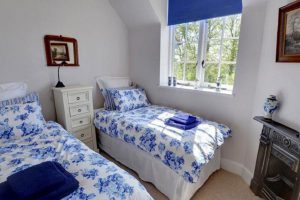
(201, 56)
(172, 50)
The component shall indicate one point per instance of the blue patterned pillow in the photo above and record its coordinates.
(109, 103)
(32, 97)
(126, 100)
(20, 120)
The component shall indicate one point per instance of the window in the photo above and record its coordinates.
(205, 52)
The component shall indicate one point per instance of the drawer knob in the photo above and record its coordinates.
(80, 122)
(287, 142)
(78, 98)
(79, 110)
(82, 135)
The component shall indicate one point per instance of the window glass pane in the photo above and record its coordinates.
(193, 32)
(186, 51)
(230, 50)
(232, 26)
(190, 72)
(227, 74)
(192, 52)
(211, 73)
(180, 32)
(222, 34)
(178, 52)
(213, 51)
(178, 71)
(214, 28)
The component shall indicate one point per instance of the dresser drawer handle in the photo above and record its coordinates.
(80, 122)
(78, 98)
(79, 110)
(82, 135)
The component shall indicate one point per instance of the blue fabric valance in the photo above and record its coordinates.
(184, 11)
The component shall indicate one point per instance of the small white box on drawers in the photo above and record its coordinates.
(74, 111)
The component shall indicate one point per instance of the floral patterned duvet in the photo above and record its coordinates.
(185, 152)
(98, 178)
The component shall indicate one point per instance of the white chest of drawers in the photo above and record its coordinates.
(74, 111)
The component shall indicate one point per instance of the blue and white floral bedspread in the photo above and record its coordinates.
(186, 152)
(98, 178)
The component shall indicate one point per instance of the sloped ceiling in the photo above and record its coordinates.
(136, 13)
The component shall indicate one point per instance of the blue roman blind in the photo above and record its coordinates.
(184, 11)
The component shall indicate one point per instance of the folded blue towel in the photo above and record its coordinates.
(37, 180)
(6, 193)
(46, 181)
(184, 118)
(71, 184)
(171, 122)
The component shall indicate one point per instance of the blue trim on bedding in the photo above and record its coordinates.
(31, 97)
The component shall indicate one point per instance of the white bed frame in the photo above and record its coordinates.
(147, 167)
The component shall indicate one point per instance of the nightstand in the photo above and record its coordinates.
(74, 111)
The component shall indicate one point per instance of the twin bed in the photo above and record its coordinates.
(27, 140)
(177, 162)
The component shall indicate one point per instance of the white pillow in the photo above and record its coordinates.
(12, 90)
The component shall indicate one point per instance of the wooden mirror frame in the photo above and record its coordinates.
(47, 41)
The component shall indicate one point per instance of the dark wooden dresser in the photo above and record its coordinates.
(277, 171)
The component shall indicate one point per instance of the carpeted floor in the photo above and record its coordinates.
(222, 185)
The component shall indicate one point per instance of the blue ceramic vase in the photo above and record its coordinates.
(270, 106)
(169, 81)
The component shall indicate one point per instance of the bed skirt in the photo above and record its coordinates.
(153, 170)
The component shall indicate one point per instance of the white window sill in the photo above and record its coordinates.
(213, 91)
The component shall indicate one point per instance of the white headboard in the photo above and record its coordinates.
(113, 82)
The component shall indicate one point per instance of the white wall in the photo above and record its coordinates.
(137, 12)
(102, 39)
(281, 79)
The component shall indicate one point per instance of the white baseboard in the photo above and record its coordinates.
(247, 175)
(237, 168)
